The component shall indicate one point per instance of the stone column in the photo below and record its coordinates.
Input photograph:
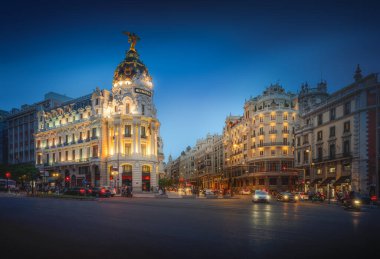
(137, 178)
(153, 176)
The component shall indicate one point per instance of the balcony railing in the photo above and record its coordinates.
(285, 131)
(94, 137)
(261, 134)
(127, 135)
(80, 141)
(143, 136)
(273, 132)
(333, 157)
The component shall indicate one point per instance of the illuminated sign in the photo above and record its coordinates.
(143, 91)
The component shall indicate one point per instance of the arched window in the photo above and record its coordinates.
(146, 169)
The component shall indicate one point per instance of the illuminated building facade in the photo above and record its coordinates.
(107, 138)
(337, 137)
(258, 147)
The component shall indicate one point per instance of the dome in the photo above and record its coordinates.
(131, 68)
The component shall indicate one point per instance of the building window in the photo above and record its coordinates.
(319, 171)
(54, 158)
(60, 157)
(347, 108)
(306, 139)
(319, 154)
(116, 109)
(97, 101)
(261, 118)
(305, 157)
(261, 152)
(67, 139)
(273, 152)
(80, 136)
(319, 135)
(320, 119)
(285, 152)
(93, 132)
(332, 151)
(67, 155)
(346, 148)
(332, 170)
(285, 141)
(298, 156)
(346, 127)
(273, 117)
(127, 108)
(332, 114)
(143, 134)
(127, 149)
(332, 132)
(298, 141)
(142, 109)
(80, 153)
(127, 130)
(146, 169)
(285, 117)
(95, 151)
(73, 155)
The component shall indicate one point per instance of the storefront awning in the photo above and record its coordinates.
(342, 180)
(316, 181)
(327, 181)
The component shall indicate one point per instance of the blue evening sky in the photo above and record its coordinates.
(205, 57)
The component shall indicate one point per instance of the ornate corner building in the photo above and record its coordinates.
(109, 138)
(259, 145)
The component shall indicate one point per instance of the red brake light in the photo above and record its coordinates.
(81, 190)
(90, 191)
(103, 191)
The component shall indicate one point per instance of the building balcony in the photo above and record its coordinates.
(285, 131)
(94, 137)
(66, 144)
(128, 135)
(72, 142)
(80, 141)
(261, 133)
(345, 155)
(273, 132)
(143, 136)
(59, 145)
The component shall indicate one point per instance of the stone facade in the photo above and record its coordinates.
(259, 145)
(107, 138)
(337, 141)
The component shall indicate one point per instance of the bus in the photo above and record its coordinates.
(3, 184)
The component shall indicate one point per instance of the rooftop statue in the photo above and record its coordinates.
(132, 38)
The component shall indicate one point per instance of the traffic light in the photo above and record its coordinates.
(8, 175)
(283, 168)
(67, 178)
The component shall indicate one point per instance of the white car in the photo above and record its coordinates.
(260, 196)
(245, 192)
(208, 192)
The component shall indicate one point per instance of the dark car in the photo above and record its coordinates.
(286, 197)
(75, 191)
(101, 192)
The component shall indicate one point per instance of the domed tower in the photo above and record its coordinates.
(134, 144)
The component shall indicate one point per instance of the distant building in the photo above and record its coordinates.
(200, 166)
(258, 147)
(337, 136)
(3, 137)
(21, 124)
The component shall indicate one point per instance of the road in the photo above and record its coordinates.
(184, 228)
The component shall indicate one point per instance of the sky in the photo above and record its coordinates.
(206, 57)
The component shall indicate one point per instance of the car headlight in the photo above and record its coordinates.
(255, 197)
(268, 197)
(286, 197)
(296, 198)
(357, 202)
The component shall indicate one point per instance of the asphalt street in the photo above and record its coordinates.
(184, 228)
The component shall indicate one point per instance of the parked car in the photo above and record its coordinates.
(286, 197)
(101, 192)
(260, 196)
(245, 192)
(75, 191)
(208, 192)
(111, 189)
(301, 195)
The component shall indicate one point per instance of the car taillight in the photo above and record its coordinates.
(81, 190)
(90, 191)
(103, 191)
